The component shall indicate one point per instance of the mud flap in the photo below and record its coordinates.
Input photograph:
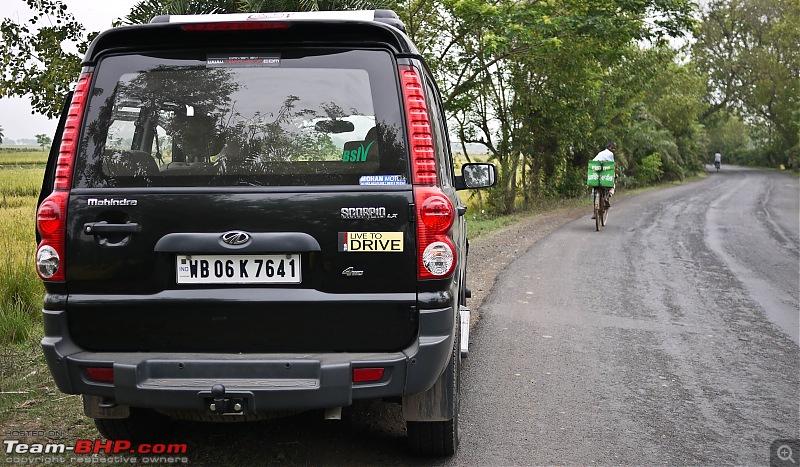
(437, 403)
(465, 321)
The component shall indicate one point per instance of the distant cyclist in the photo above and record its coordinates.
(607, 154)
(717, 160)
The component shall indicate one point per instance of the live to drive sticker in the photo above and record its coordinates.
(371, 242)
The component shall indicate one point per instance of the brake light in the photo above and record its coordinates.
(436, 211)
(423, 162)
(51, 215)
(101, 374)
(235, 26)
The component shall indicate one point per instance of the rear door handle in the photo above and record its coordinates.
(100, 228)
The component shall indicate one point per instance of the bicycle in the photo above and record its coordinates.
(600, 202)
(600, 179)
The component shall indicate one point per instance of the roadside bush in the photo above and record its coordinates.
(649, 170)
(573, 183)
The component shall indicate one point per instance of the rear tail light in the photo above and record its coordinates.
(50, 220)
(51, 215)
(72, 129)
(436, 258)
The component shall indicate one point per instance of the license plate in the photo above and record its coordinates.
(238, 269)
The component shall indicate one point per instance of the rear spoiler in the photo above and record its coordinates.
(313, 27)
(382, 16)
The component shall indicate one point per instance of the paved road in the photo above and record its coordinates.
(669, 337)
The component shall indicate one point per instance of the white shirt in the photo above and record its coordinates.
(605, 155)
(717, 157)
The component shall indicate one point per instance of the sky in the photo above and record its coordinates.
(96, 15)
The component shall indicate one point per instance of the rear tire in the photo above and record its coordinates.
(142, 425)
(597, 199)
(441, 438)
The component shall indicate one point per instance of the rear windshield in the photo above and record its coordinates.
(234, 118)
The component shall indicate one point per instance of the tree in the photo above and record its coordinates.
(33, 62)
(729, 135)
(43, 141)
(1, 134)
(748, 51)
(523, 78)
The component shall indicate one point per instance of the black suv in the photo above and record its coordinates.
(250, 214)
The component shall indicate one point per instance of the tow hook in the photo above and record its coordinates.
(224, 405)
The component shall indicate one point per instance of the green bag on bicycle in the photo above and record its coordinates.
(600, 174)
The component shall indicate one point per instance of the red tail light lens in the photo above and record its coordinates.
(48, 218)
(436, 212)
(72, 129)
(423, 161)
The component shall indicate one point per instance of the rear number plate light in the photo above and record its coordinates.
(238, 269)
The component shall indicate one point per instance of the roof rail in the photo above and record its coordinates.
(380, 16)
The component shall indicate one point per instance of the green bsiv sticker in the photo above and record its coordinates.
(357, 155)
(242, 61)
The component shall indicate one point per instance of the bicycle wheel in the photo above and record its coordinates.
(597, 201)
(604, 215)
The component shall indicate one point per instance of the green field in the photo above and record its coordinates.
(21, 291)
(24, 380)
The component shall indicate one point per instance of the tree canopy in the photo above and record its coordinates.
(33, 63)
(748, 52)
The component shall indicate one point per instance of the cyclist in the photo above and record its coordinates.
(607, 154)
(717, 160)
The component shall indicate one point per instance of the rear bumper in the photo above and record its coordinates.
(264, 381)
